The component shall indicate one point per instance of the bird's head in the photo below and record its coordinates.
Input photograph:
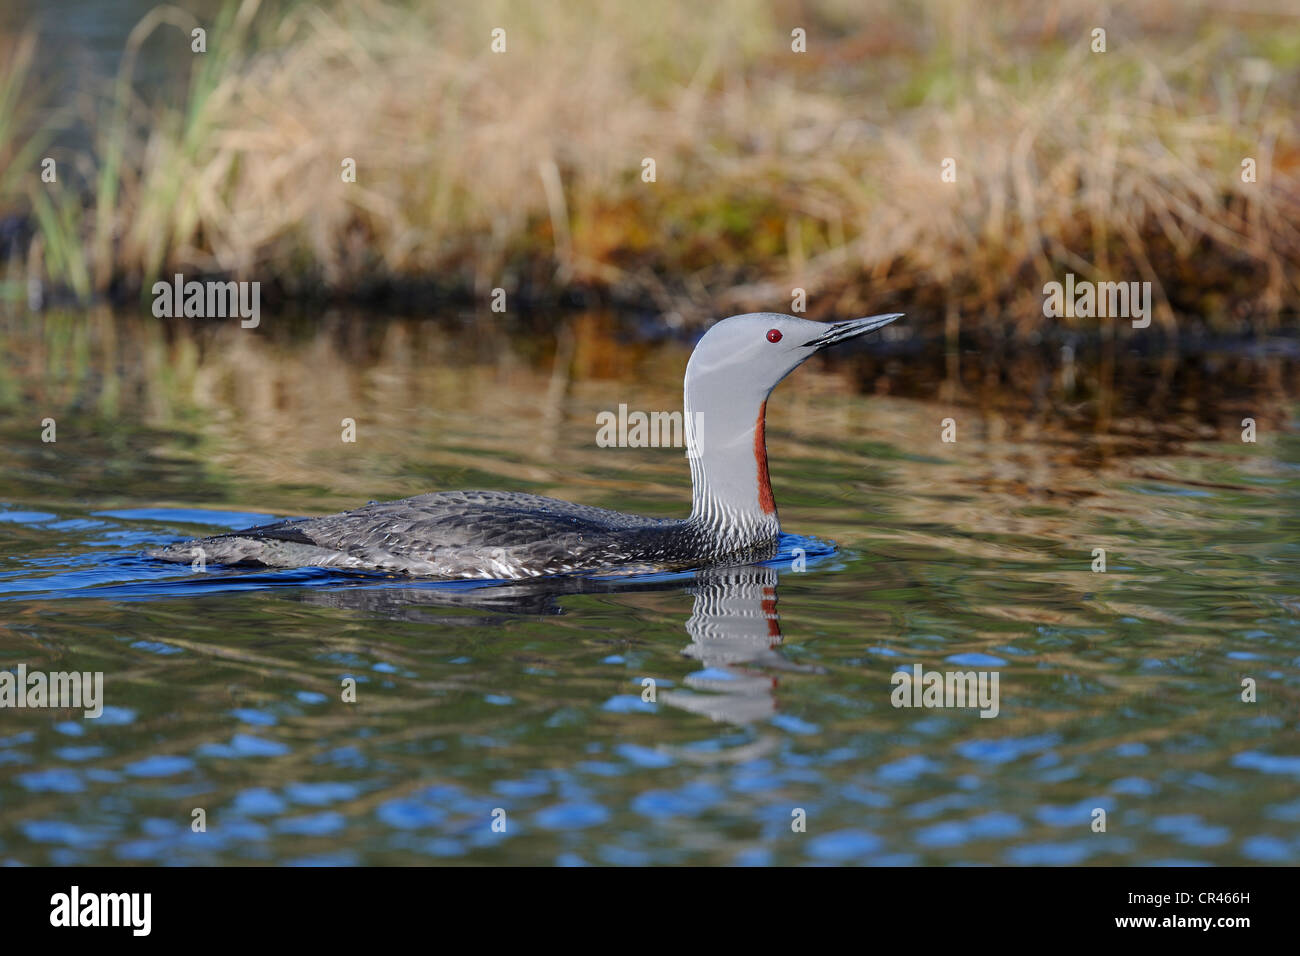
(747, 355)
(734, 367)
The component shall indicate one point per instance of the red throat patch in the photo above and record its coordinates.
(765, 500)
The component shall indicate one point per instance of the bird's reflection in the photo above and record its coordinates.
(734, 627)
(735, 633)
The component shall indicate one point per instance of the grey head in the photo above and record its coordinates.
(733, 369)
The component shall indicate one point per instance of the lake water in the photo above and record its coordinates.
(1119, 690)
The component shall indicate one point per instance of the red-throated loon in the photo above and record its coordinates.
(494, 535)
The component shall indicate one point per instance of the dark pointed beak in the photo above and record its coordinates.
(842, 331)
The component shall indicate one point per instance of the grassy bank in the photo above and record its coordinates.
(773, 169)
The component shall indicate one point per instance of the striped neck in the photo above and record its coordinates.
(731, 491)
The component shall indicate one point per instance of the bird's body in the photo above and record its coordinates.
(469, 535)
(497, 535)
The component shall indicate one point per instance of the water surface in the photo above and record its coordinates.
(1119, 690)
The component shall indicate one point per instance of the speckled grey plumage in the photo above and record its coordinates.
(473, 535)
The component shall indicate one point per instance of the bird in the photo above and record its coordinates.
(498, 535)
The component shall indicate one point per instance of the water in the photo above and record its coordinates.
(223, 690)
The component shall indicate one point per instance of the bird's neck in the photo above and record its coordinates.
(731, 490)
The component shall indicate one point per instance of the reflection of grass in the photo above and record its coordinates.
(775, 169)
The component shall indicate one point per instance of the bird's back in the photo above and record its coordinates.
(458, 534)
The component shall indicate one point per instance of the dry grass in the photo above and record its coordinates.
(774, 169)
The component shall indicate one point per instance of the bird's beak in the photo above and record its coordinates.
(841, 331)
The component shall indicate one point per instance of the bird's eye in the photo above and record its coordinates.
(774, 335)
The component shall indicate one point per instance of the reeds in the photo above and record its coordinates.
(774, 169)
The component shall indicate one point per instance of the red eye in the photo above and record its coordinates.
(774, 335)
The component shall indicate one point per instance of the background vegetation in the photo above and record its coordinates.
(775, 169)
